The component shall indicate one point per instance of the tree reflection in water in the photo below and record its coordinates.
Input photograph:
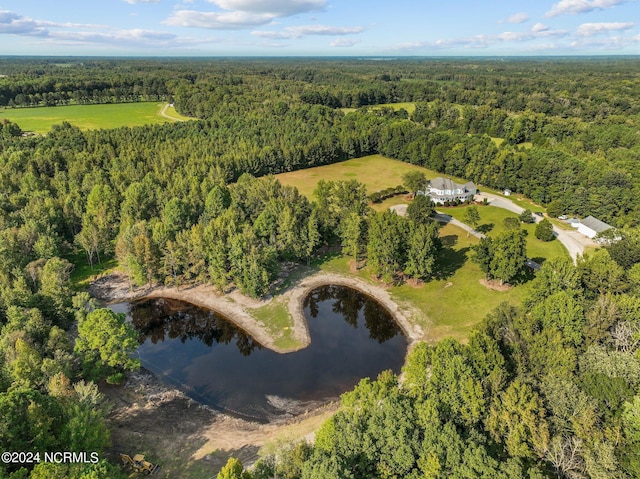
(158, 319)
(348, 303)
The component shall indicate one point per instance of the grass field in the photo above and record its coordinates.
(410, 107)
(90, 117)
(491, 222)
(455, 301)
(376, 172)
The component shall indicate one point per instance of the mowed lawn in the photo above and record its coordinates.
(492, 223)
(89, 117)
(453, 303)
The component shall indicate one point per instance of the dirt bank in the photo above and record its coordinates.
(237, 307)
(187, 439)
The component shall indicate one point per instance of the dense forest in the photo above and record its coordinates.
(184, 202)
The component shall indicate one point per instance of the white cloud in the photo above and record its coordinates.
(306, 30)
(343, 42)
(218, 20)
(239, 14)
(12, 23)
(516, 18)
(572, 7)
(613, 43)
(538, 31)
(134, 2)
(277, 8)
(52, 33)
(591, 29)
(136, 38)
(539, 27)
(15, 24)
(411, 46)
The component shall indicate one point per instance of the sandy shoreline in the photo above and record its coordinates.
(237, 307)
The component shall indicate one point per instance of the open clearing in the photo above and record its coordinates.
(455, 301)
(452, 303)
(375, 171)
(409, 106)
(91, 117)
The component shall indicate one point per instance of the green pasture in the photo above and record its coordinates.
(375, 171)
(455, 301)
(90, 117)
(409, 106)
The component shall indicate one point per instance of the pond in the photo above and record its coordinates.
(218, 364)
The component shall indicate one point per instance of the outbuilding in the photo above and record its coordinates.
(591, 226)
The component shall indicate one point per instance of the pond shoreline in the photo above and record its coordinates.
(155, 417)
(236, 307)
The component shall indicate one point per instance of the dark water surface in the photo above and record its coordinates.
(220, 365)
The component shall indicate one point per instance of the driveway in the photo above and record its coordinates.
(573, 241)
(444, 218)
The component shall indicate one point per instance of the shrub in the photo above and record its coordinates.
(544, 230)
(526, 217)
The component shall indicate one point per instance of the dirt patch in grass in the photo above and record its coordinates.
(495, 285)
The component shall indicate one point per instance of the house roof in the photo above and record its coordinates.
(448, 184)
(595, 224)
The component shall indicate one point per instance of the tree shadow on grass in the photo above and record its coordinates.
(449, 261)
(539, 260)
(485, 228)
(449, 241)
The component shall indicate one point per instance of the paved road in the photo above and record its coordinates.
(572, 240)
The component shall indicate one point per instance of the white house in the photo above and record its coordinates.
(591, 226)
(445, 189)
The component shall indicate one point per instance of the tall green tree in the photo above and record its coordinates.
(420, 209)
(386, 248)
(423, 246)
(509, 256)
(517, 420)
(352, 235)
(544, 230)
(414, 180)
(106, 343)
(471, 217)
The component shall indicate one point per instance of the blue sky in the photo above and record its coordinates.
(319, 27)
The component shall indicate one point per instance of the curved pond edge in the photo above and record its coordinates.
(236, 307)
